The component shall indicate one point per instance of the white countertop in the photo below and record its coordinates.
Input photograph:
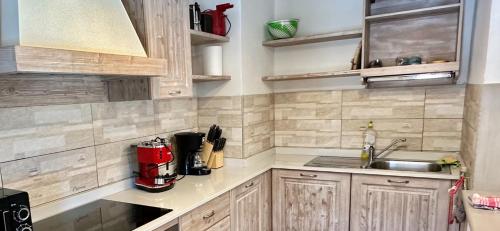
(193, 191)
(479, 219)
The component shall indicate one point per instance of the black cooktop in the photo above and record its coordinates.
(101, 215)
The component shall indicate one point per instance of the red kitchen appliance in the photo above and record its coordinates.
(219, 19)
(154, 158)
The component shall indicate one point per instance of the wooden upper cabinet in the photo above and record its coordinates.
(398, 203)
(251, 205)
(304, 200)
(163, 28)
(429, 29)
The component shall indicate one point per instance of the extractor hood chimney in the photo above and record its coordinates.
(100, 26)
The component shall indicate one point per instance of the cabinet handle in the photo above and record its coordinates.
(398, 182)
(249, 185)
(209, 215)
(308, 175)
(177, 92)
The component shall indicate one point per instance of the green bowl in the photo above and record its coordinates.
(281, 29)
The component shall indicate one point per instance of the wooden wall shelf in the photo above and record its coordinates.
(415, 13)
(314, 38)
(317, 75)
(200, 38)
(207, 78)
(410, 69)
(24, 59)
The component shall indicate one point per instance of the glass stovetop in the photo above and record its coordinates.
(101, 215)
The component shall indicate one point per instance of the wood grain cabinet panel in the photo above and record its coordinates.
(251, 205)
(163, 28)
(223, 225)
(398, 203)
(168, 37)
(206, 215)
(305, 200)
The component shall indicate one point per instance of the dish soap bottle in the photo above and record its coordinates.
(369, 138)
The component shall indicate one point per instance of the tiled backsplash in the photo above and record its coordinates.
(247, 122)
(258, 124)
(431, 118)
(60, 150)
(227, 112)
(57, 151)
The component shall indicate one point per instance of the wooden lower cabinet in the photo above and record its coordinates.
(382, 203)
(207, 215)
(251, 205)
(305, 200)
(223, 225)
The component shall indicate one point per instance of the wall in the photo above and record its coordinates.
(9, 23)
(95, 26)
(232, 55)
(430, 118)
(323, 16)
(257, 60)
(55, 151)
(244, 57)
(481, 131)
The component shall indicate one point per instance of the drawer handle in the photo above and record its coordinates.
(178, 92)
(308, 175)
(398, 182)
(249, 185)
(209, 215)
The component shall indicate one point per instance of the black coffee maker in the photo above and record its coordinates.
(188, 154)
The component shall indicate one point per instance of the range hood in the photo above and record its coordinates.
(414, 80)
(411, 75)
(72, 37)
(91, 25)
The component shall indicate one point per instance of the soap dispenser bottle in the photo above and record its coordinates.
(369, 138)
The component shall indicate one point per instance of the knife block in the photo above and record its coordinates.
(216, 160)
(207, 150)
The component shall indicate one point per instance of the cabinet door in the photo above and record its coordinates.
(398, 203)
(168, 37)
(251, 205)
(305, 200)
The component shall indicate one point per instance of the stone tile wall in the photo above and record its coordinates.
(431, 118)
(227, 112)
(60, 150)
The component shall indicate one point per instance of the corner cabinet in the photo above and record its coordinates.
(251, 205)
(163, 28)
(398, 203)
(305, 200)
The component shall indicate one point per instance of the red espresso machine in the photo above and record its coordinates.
(154, 158)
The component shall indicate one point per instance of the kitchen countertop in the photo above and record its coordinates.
(479, 219)
(193, 191)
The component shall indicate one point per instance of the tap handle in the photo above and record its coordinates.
(371, 152)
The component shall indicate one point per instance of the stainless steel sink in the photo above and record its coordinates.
(404, 165)
(381, 163)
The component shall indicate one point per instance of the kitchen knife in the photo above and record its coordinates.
(218, 132)
(222, 143)
(211, 133)
(217, 143)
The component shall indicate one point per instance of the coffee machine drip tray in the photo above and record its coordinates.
(102, 215)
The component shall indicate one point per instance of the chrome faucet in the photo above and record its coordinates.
(371, 152)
